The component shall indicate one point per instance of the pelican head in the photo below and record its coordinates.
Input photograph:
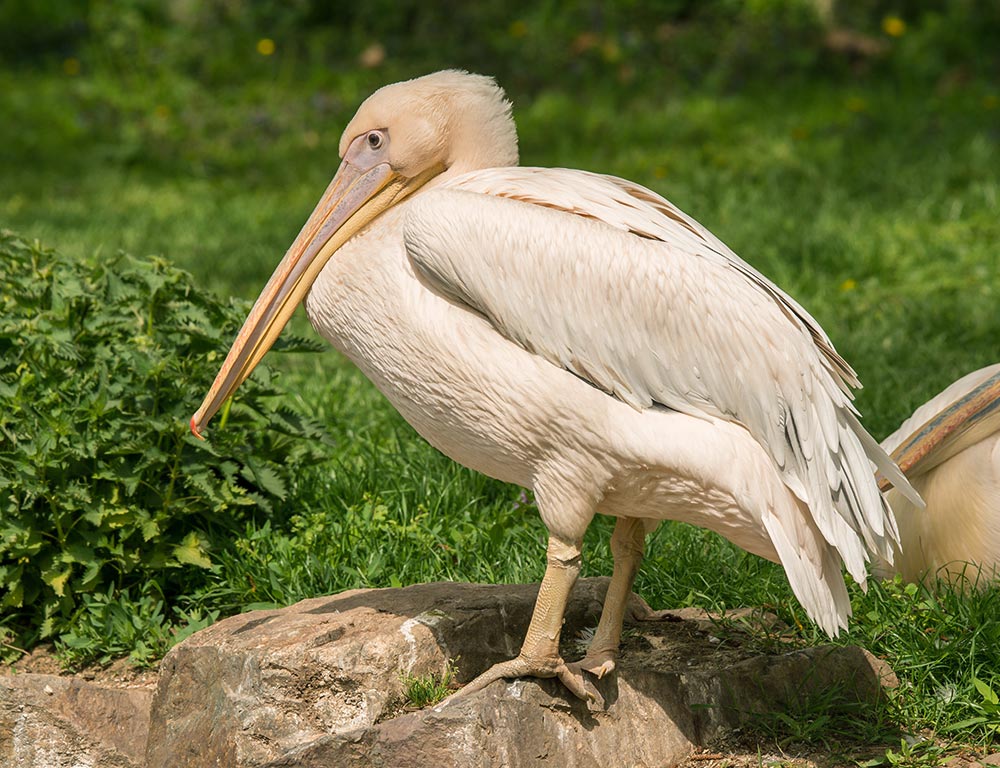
(404, 136)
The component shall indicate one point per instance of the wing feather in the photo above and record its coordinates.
(617, 285)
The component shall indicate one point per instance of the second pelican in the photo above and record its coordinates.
(950, 451)
(580, 336)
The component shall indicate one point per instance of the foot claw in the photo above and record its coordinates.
(598, 664)
(569, 674)
(577, 684)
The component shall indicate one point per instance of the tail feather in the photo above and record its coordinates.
(813, 568)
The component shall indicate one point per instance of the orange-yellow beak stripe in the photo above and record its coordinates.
(352, 200)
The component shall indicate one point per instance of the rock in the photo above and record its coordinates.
(254, 686)
(321, 684)
(48, 721)
(658, 716)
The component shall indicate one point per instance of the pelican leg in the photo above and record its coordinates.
(539, 656)
(627, 546)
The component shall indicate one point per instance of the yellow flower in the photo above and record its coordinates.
(265, 46)
(856, 104)
(610, 51)
(848, 285)
(71, 67)
(893, 26)
(518, 29)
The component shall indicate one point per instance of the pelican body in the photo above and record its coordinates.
(950, 451)
(578, 335)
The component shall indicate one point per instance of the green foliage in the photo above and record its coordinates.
(114, 624)
(988, 707)
(719, 42)
(832, 718)
(412, 534)
(943, 642)
(913, 753)
(152, 84)
(102, 488)
(30, 29)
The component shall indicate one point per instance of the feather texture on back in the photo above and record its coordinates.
(669, 316)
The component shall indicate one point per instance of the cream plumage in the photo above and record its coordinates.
(955, 439)
(579, 335)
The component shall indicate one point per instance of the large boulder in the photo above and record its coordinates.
(321, 683)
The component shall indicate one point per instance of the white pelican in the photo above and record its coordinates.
(950, 451)
(580, 336)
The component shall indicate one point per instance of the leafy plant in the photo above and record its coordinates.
(116, 623)
(988, 708)
(102, 488)
(913, 753)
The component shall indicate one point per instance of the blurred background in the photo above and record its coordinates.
(831, 144)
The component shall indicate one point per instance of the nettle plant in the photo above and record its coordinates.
(102, 487)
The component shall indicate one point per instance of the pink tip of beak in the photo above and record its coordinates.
(194, 429)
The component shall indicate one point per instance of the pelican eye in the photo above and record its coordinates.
(374, 139)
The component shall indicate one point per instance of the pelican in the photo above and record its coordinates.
(580, 336)
(950, 451)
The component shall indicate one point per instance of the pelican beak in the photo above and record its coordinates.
(969, 419)
(353, 199)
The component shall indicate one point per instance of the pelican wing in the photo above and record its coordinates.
(964, 413)
(614, 283)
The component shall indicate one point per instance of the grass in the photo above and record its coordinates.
(874, 201)
(424, 690)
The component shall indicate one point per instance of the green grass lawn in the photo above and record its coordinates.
(875, 202)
